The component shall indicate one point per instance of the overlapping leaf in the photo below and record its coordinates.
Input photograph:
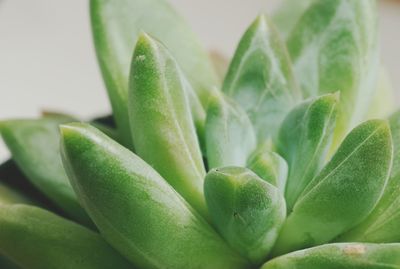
(135, 209)
(344, 193)
(34, 145)
(246, 210)
(260, 78)
(163, 130)
(334, 47)
(116, 26)
(304, 140)
(230, 137)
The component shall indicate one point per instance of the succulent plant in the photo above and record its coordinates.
(283, 164)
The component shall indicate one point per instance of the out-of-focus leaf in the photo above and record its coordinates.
(304, 140)
(382, 225)
(246, 210)
(7, 264)
(34, 145)
(116, 25)
(220, 62)
(260, 78)
(230, 137)
(10, 196)
(288, 14)
(12, 177)
(334, 47)
(148, 222)
(34, 238)
(344, 193)
(383, 102)
(163, 131)
(341, 256)
(269, 166)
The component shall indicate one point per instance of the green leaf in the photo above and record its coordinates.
(34, 145)
(304, 140)
(384, 101)
(382, 225)
(163, 131)
(46, 241)
(116, 25)
(269, 166)
(230, 136)
(247, 211)
(334, 47)
(147, 221)
(341, 256)
(288, 14)
(260, 78)
(344, 193)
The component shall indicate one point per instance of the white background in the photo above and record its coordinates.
(47, 59)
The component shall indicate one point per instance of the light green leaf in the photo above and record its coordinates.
(288, 14)
(34, 238)
(34, 145)
(269, 166)
(341, 256)
(334, 47)
(345, 191)
(163, 131)
(116, 25)
(260, 78)
(147, 221)
(304, 140)
(382, 225)
(230, 136)
(384, 100)
(247, 211)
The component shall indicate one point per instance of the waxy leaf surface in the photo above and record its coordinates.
(260, 78)
(147, 221)
(116, 25)
(341, 256)
(230, 137)
(34, 238)
(35, 147)
(304, 140)
(344, 193)
(246, 210)
(163, 131)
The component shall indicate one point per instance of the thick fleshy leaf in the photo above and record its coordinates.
(163, 130)
(341, 256)
(246, 210)
(260, 78)
(34, 238)
(304, 140)
(230, 137)
(116, 25)
(345, 191)
(135, 209)
(269, 166)
(34, 145)
(382, 225)
(334, 47)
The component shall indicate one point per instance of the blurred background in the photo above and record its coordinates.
(47, 60)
